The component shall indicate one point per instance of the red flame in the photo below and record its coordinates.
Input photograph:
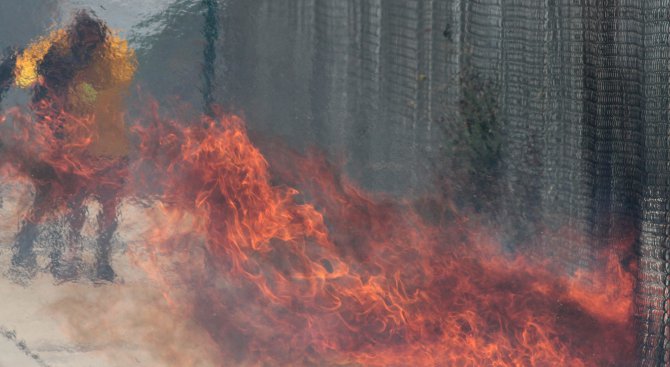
(330, 275)
(58, 141)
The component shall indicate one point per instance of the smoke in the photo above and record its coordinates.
(231, 262)
(132, 323)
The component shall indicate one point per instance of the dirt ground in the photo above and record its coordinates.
(87, 324)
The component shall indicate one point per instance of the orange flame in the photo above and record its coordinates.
(330, 275)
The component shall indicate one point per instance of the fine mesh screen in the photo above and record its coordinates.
(570, 99)
(545, 114)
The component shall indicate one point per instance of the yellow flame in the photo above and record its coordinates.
(115, 64)
(97, 89)
(26, 63)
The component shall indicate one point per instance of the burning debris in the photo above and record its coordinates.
(294, 266)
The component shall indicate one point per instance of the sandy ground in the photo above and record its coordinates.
(84, 324)
(79, 324)
(26, 311)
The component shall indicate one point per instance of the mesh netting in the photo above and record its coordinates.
(570, 100)
(547, 114)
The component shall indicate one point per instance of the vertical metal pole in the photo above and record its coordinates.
(211, 33)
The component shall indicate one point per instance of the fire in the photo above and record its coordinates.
(295, 266)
